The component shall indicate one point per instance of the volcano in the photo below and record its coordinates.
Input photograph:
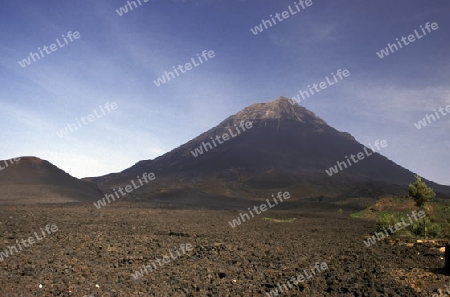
(287, 147)
(32, 180)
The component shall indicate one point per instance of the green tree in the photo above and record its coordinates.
(420, 192)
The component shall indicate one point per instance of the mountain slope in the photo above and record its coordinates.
(32, 180)
(287, 147)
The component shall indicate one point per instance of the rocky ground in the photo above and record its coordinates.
(94, 253)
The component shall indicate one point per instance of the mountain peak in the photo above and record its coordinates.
(42, 182)
(281, 100)
(278, 109)
(31, 159)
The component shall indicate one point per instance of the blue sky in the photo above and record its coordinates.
(118, 57)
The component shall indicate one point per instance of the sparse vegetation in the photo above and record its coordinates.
(280, 220)
(359, 215)
(417, 228)
(390, 210)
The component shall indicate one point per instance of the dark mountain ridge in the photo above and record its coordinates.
(32, 180)
(287, 147)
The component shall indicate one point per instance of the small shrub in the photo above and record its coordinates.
(433, 229)
(446, 230)
(386, 219)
